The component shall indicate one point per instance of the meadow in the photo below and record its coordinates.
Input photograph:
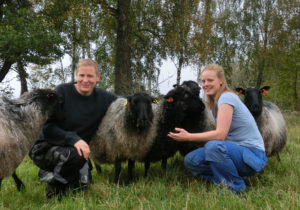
(278, 187)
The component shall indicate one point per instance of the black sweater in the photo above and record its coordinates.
(82, 115)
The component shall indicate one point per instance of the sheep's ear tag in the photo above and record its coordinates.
(240, 92)
(49, 95)
(264, 91)
(125, 103)
(170, 99)
(155, 101)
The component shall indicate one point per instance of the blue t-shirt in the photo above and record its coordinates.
(243, 129)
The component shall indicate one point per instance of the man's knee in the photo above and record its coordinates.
(71, 158)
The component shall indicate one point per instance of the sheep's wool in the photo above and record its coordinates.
(20, 127)
(273, 128)
(113, 141)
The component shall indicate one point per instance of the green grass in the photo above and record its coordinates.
(276, 188)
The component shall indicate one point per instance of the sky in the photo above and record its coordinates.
(167, 77)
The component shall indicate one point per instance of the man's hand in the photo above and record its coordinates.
(83, 149)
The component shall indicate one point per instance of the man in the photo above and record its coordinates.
(63, 146)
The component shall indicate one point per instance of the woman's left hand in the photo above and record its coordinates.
(181, 135)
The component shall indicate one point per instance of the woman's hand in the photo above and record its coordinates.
(180, 135)
(83, 149)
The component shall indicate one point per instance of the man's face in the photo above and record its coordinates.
(87, 78)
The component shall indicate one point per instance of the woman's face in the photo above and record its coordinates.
(211, 84)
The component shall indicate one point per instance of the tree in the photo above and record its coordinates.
(178, 29)
(26, 37)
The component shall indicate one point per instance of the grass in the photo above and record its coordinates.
(276, 188)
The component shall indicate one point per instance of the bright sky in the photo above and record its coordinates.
(167, 77)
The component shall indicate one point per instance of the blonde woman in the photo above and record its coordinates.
(236, 148)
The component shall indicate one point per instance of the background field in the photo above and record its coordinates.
(276, 188)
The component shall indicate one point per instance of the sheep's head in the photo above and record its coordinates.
(192, 86)
(253, 98)
(47, 100)
(140, 112)
(184, 100)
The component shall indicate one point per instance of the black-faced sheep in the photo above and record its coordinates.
(125, 133)
(21, 123)
(196, 118)
(181, 107)
(269, 119)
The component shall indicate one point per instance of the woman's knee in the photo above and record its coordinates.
(215, 151)
(194, 158)
(214, 146)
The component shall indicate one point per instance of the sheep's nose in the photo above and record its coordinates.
(254, 107)
(143, 122)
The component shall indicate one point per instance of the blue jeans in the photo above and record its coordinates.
(225, 162)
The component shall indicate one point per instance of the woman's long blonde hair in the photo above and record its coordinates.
(224, 88)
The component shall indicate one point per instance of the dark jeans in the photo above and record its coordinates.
(65, 163)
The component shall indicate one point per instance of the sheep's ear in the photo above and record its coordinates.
(265, 89)
(128, 101)
(170, 99)
(175, 86)
(50, 95)
(240, 91)
(155, 100)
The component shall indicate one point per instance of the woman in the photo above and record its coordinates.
(236, 148)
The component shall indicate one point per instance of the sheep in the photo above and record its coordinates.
(269, 119)
(125, 133)
(181, 107)
(196, 119)
(21, 123)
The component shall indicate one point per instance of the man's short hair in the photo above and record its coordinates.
(88, 62)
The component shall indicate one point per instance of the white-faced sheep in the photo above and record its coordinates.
(21, 123)
(269, 119)
(125, 133)
(181, 107)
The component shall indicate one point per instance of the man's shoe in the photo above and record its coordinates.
(55, 189)
(45, 176)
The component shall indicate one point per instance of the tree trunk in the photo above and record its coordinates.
(180, 64)
(74, 53)
(123, 76)
(5, 69)
(261, 67)
(297, 105)
(22, 75)
(149, 82)
(139, 76)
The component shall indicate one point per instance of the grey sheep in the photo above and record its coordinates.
(125, 133)
(21, 123)
(269, 119)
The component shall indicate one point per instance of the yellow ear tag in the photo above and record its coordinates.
(125, 103)
(155, 101)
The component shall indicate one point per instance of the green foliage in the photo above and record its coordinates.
(278, 187)
(27, 36)
(257, 42)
